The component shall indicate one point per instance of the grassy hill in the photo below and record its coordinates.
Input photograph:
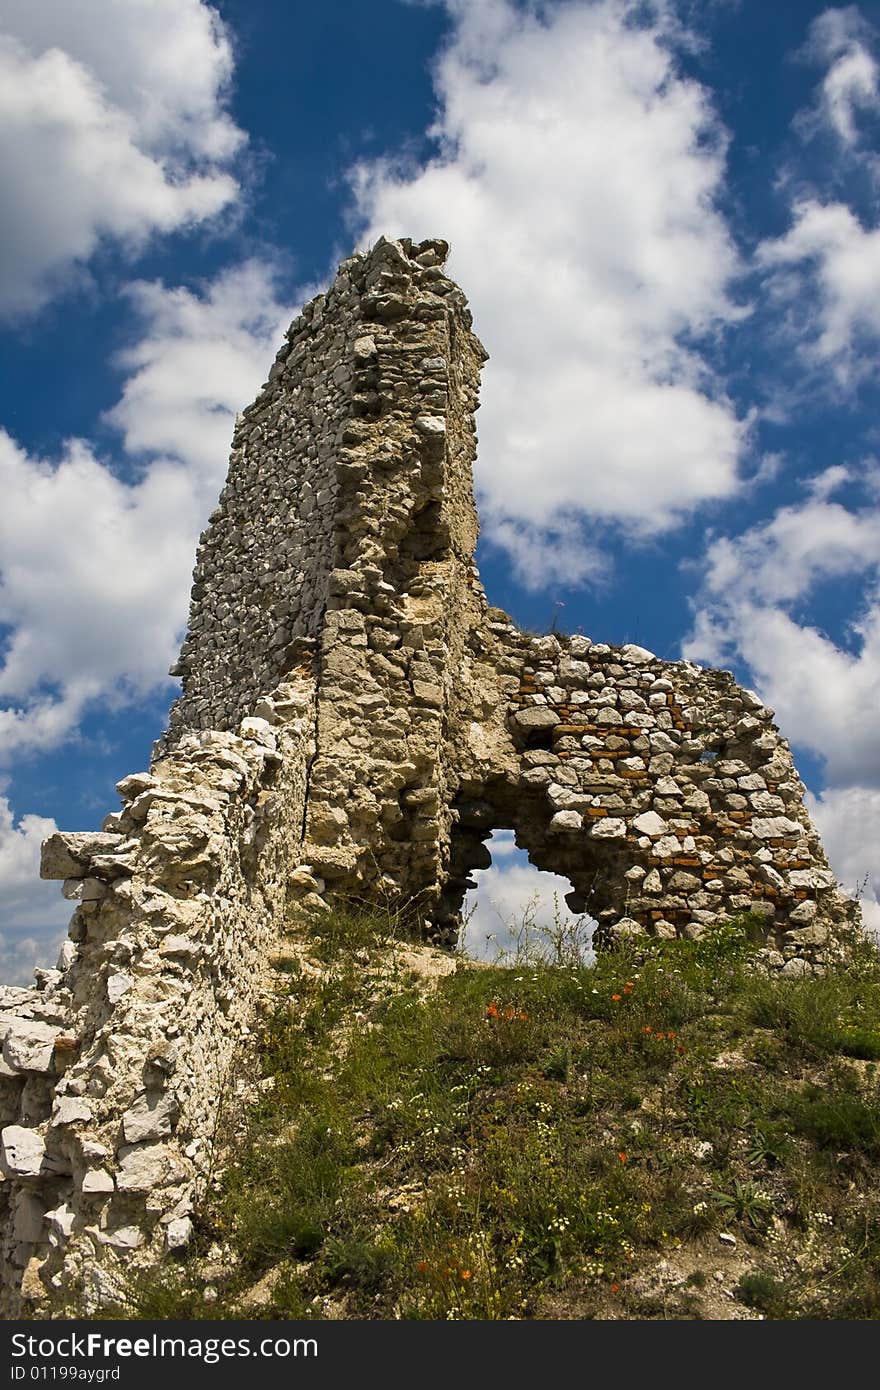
(667, 1134)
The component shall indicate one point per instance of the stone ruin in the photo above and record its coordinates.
(355, 720)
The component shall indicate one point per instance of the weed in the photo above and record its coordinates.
(761, 1290)
(746, 1202)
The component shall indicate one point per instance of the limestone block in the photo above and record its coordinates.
(662, 764)
(118, 984)
(665, 930)
(432, 428)
(97, 1182)
(331, 861)
(70, 1110)
(135, 783)
(774, 827)
(627, 927)
(28, 1046)
(60, 1221)
(153, 1116)
(146, 1166)
(609, 828)
(259, 731)
(649, 823)
(123, 1238)
(797, 967)
(766, 804)
(67, 854)
(682, 882)
(178, 1233)
(770, 875)
(804, 912)
(814, 935)
(22, 1152)
(536, 717)
(811, 878)
(564, 822)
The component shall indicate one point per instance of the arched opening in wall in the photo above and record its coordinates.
(518, 912)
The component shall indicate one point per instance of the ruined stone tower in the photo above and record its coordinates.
(354, 722)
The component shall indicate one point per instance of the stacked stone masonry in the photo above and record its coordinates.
(354, 722)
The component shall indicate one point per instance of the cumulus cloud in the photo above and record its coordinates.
(825, 272)
(112, 125)
(576, 176)
(841, 40)
(825, 690)
(201, 359)
(34, 913)
(824, 695)
(96, 570)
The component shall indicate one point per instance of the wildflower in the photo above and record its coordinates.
(422, 1266)
(466, 1274)
(616, 998)
(622, 1156)
(647, 1028)
(492, 1010)
(615, 1288)
(630, 984)
(679, 1049)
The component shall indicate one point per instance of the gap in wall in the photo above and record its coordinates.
(516, 907)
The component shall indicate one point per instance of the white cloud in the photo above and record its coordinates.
(517, 907)
(783, 558)
(35, 915)
(576, 178)
(201, 360)
(848, 820)
(825, 697)
(112, 125)
(824, 692)
(842, 40)
(96, 570)
(826, 272)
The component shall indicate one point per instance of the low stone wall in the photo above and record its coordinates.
(115, 1071)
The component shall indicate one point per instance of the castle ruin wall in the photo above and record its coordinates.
(355, 720)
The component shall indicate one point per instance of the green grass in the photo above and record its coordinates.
(526, 1141)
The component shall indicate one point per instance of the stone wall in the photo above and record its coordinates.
(662, 790)
(354, 721)
(115, 1069)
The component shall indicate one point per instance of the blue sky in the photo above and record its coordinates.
(666, 218)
